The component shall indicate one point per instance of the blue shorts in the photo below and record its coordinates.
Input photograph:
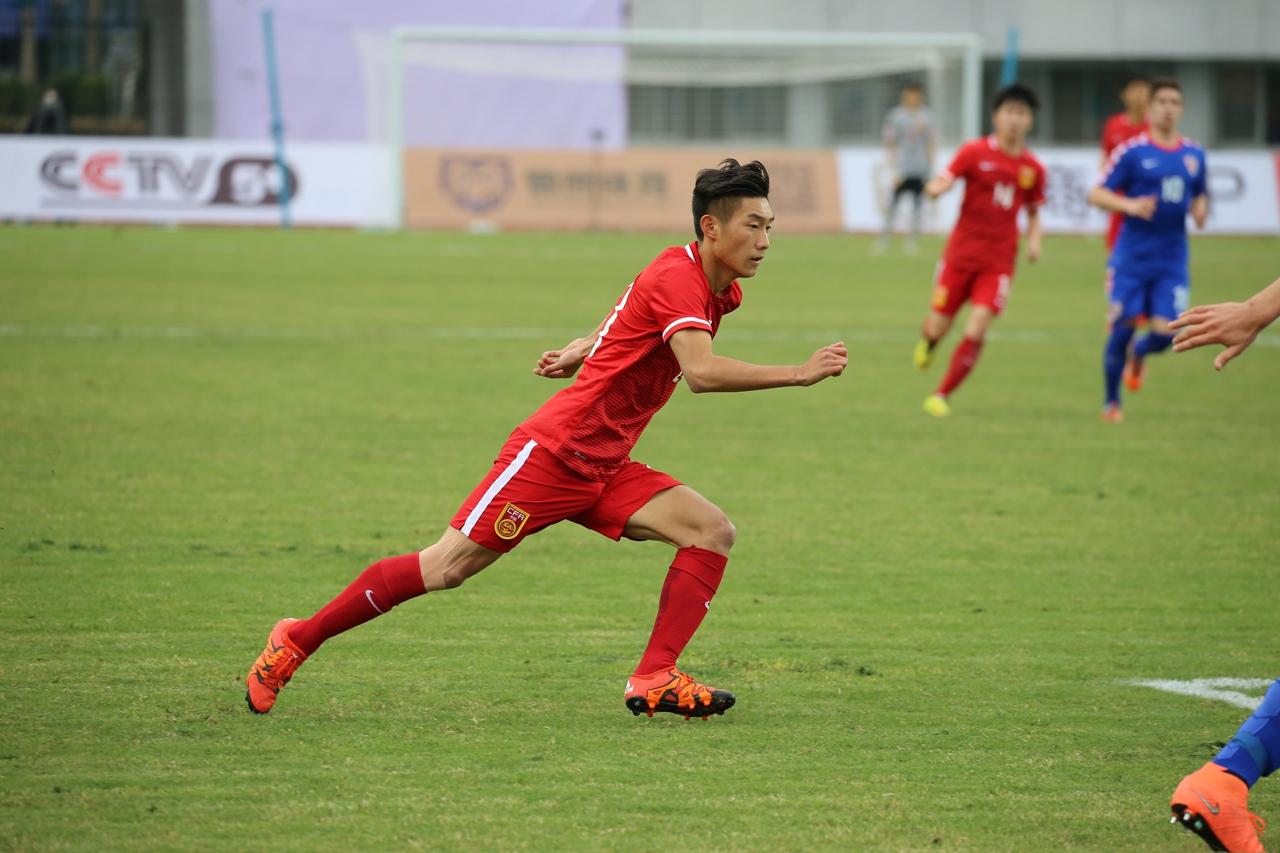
(1147, 293)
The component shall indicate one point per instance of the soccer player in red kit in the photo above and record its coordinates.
(570, 460)
(1001, 178)
(1119, 129)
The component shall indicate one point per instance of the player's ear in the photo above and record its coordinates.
(710, 226)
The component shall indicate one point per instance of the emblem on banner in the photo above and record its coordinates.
(478, 184)
(510, 521)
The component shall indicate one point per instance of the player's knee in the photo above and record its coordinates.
(448, 563)
(439, 575)
(718, 533)
(453, 577)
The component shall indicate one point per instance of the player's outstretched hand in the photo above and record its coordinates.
(561, 363)
(1235, 325)
(830, 360)
(1143, 207)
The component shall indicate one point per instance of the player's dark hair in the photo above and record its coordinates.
(912, 86)
(718, 191)
(1164, 83)
(1130, 79)
(1018, 94)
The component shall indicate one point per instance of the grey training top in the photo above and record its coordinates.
(912, 132)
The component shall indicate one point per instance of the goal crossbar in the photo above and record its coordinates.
(968, 45)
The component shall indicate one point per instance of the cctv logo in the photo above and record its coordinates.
(112, 178)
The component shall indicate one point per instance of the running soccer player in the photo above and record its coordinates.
(1001, 177)
(1162, 178)
(1119, 129)
(1213, 802)
(570, 459)
(908, 147)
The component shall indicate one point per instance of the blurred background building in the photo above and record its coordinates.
(194, 67)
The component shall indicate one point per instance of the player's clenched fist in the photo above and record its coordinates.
(830, 360)
(1142, 207)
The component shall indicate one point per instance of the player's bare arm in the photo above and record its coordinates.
(705, 371)
(939, 184)
(1234, 325)
(1141, 207)
(1034, 231)
(1200, 210)
(564, 362)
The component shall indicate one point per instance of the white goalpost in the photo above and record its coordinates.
(776, 88)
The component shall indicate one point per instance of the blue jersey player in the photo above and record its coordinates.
(1155, 180)
(1213, 802)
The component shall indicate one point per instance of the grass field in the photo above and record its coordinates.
(928, 623)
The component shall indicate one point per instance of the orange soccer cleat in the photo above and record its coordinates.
(273, 669)
(1134, 373)
(1214, 804)
(1112, 413)
(672, 691)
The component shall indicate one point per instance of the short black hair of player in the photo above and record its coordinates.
(718, 191)
(1130, 79)
(912, 86)
(1017, 93)
(1164, 83)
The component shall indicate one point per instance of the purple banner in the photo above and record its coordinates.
(335, 78)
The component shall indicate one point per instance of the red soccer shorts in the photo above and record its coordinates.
(953, 287)
(528, 489)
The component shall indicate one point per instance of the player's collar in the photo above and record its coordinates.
(1177, 143)
(995, 146)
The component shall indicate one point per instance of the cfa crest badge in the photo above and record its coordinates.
(510, 521)
(1026, 177)
(1192, 164)
(478, 184)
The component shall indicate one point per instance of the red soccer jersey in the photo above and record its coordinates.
(1118, 130)
(996, 186)
(631, 371)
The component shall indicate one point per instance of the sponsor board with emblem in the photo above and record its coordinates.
(636, 189)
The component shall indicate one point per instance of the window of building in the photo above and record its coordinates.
(1238, 90)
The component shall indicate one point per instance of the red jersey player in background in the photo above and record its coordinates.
(1001, 177)
(570, 460)
(1119, 129)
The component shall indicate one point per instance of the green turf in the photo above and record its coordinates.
(926, 622)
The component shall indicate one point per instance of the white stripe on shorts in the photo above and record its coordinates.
(497, 485)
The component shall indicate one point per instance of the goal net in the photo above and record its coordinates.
(575, 128)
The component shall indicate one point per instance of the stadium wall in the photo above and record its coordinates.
(108, 179)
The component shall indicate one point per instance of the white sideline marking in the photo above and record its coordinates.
(1211, 688)
(507, 333)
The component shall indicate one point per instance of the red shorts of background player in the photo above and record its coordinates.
(528, 489)
(953, 287)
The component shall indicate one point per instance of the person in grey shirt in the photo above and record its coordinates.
(909, 143)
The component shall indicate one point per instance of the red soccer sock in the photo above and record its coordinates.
(378, 589)
(962, 361)
(686, 597)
